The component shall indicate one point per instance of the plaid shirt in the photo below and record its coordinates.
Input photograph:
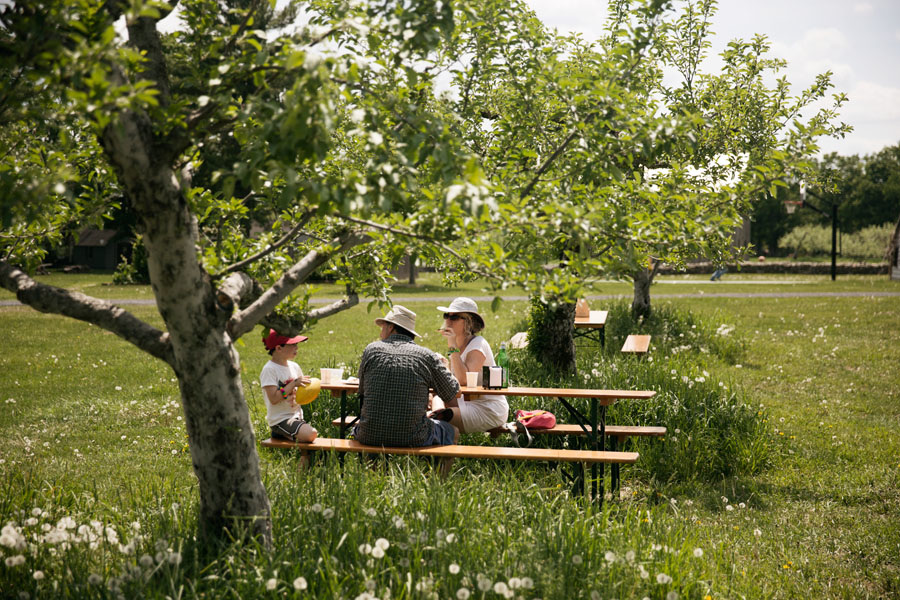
(394, 379)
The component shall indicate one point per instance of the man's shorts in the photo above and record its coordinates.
(288, 429)
(442, 434)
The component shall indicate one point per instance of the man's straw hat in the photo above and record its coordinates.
(401, 316)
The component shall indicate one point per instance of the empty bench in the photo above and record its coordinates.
(578, 457)
(636, 344)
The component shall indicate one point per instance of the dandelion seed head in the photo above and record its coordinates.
(300, 584)
(453, 568)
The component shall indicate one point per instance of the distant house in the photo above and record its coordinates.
(100, 249)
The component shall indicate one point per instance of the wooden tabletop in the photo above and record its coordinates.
(605, 396)
(563, 393)
(596, 319)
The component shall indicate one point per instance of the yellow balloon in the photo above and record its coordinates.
(307, 394)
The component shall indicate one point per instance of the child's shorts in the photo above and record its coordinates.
(288, 429)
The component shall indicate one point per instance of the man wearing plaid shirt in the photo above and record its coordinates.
(395, 375)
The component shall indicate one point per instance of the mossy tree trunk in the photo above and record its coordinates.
(551, 334)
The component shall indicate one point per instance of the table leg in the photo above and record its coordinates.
(343, 427)
(614, 468)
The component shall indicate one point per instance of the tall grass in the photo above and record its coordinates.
(391, 531)
(97, 499)
(712, 429)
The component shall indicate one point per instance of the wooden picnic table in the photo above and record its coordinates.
(592, 326)
(593, 424)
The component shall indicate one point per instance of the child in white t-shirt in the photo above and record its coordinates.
(280, 378)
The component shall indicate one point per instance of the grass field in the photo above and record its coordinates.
(99, 500)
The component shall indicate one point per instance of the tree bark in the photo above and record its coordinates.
(551, 335)
(640, 305)
(220, 435)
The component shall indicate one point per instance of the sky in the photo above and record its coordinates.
(858, 40)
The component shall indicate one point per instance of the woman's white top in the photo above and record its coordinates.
(480, 413)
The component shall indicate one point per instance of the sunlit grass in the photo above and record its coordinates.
(94, 445)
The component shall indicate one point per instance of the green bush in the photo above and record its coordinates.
(712, 431)
(870, 242)
(135, 271)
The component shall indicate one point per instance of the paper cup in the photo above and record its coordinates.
(337, 375)
(325, 375)
(471, 379)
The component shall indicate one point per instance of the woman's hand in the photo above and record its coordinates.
(450, 335)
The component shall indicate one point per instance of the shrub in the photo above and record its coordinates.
(712, 431)
(870, 242)
(135, 271)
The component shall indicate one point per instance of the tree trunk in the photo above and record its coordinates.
(640, 306)
(220, 435)
(550, 336)
(412, 268)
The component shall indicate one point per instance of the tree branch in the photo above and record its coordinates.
(246, 319)
(351, 300)
(50, 299)
(290, 235)
(417, 236)
(144, 36)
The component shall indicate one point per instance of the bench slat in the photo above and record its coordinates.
(620, 431)
(461, 451)
(636, 344)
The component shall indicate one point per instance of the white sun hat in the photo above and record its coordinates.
(463, 305)
(402, 316)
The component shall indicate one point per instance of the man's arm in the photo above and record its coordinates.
(359, 375)
(442, 380)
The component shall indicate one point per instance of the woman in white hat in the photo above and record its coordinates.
(468, 352)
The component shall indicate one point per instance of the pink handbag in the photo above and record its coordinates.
(536, 419)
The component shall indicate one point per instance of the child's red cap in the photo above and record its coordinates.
(275, 339)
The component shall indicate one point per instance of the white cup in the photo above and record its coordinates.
(471, 379)
(337, 375)
(325, 375)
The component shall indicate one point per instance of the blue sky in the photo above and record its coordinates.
(859, 40)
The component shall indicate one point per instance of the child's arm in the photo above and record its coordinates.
(275, 396)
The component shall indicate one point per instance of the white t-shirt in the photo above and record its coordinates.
(274, 374)
(482, 412)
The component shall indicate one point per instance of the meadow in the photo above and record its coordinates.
(779, 477)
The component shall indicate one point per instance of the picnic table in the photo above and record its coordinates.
(593, 424)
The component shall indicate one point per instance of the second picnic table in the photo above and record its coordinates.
(593, 424)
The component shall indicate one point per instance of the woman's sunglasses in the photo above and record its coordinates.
(452, 317)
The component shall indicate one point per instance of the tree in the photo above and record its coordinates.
(201, 131)
(603, 168)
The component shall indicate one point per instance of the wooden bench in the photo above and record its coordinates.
(590, 324)
(620, 432)
(636, 344)
(617, 434)
(579, 457)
